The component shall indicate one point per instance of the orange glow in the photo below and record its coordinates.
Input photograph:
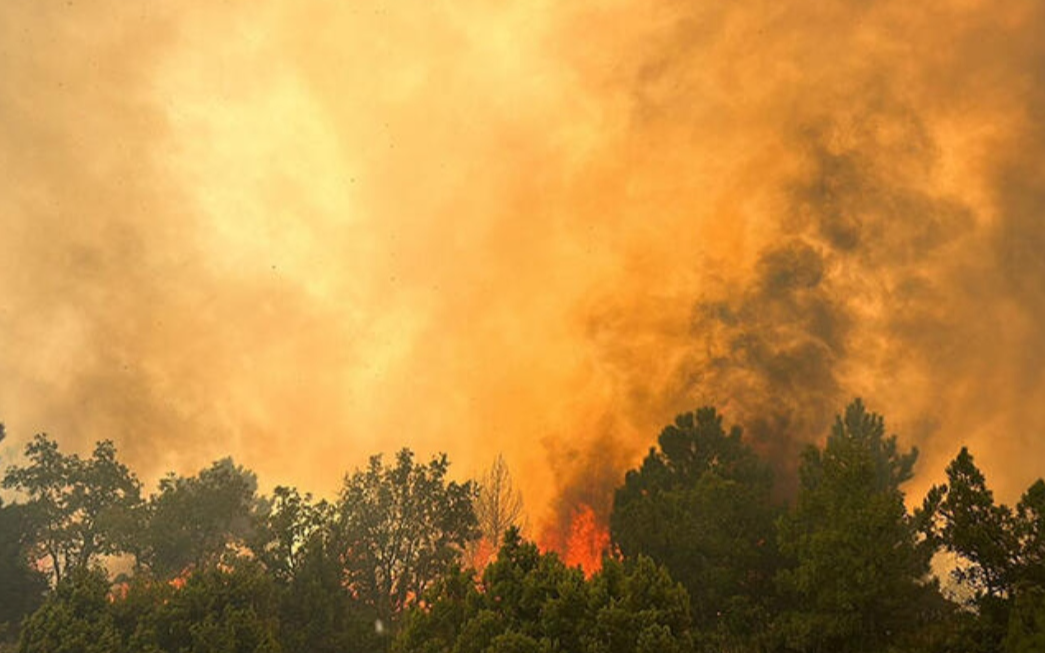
(480, 554)
(302, 233)
(584, 543)
(179, 581)
(119, 591)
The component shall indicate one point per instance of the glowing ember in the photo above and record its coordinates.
(179, 581)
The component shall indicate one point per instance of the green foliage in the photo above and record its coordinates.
(1001, 554)
(513, 642)
(287, 529)
(400, 528)
(636, 606)
(222, 570)
(964, 520)
(1029, 531)
(22, 587)
(532, 602)
(74, 619)
(1026, 628)
(859, 582)
(82, 509)
(701, 506)
(217, 610)
(318, 612)
(192, 522)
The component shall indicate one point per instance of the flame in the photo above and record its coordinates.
(119, 591)
(584, 542)
(528, 215)
(179, 581)
(480, 554)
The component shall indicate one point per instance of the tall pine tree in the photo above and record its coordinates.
(860, 578)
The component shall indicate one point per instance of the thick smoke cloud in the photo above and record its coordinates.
(305, 232)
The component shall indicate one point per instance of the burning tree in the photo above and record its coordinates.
(498, 507)
(532, 601)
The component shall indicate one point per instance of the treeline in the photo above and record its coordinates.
(703, 558)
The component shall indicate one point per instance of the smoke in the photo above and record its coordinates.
(301, 233)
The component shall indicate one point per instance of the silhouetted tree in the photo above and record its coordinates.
(966, 521)
(1000, 554)
(22, 586)
(319, 613)
(285, 526)
(1025, 632)
(860, 581)
(700, 505)
(81, 508)
(1029, 530)
(498, 507)
(529, 601)
(400, 528)
(193, 521)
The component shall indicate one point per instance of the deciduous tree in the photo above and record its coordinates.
(286, 528)
(401, 527)
(498, 507)
(76, 618)
(193, 521)
(82, 508)
(22, 586)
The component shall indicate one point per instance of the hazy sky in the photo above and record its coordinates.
(302, 232)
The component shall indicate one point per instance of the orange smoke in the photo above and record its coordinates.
(302, 233)
(583, 543)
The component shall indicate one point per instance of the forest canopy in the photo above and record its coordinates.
(703, 556)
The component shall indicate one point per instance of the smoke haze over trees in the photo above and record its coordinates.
(290, 235)
(701, 557)
(544, 228)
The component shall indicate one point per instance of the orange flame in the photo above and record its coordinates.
(585, 542)
(479, 554)
(179, 581)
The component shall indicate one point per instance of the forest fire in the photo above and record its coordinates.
(292, 238)
(582, 543)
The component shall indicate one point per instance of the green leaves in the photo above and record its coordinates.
(1000, 554)
(845, 569)
(288, 528)
(966, 522)
(82, 508)
(74, 619)
(193, 521)
(529, 601)
(22, 587)
(400, 528)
